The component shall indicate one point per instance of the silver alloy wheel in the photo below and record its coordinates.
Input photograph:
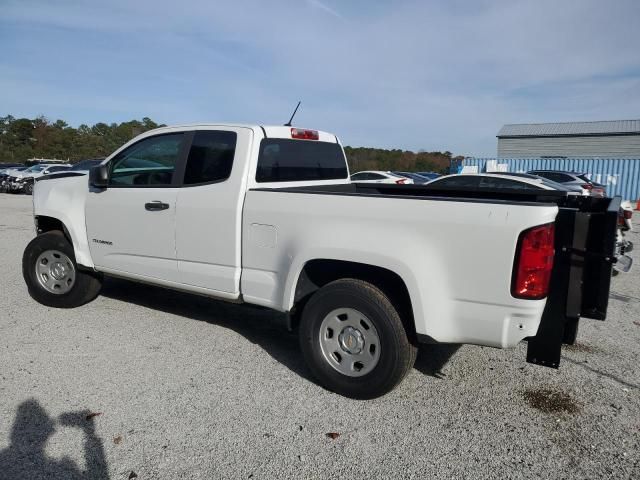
(349, 342)
(55, 272)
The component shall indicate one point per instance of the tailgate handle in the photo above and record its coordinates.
(156, 205)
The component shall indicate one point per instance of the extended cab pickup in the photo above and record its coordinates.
(268, 216)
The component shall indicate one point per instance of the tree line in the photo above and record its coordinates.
(22, 139)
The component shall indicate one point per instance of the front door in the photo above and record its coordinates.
(131, 223)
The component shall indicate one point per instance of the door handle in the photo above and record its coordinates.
(156, 205)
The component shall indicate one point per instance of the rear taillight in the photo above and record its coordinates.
(401, 181)
(627, 214)
(534, 262)
(303, 134)
(587, 186)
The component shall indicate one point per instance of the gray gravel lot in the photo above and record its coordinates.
(195, 388)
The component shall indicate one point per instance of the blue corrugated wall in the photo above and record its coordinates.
(620, 175)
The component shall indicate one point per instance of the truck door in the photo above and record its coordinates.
(209, 210)
(131, 223)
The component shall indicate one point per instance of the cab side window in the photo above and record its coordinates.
(210, 157)
(150, 162)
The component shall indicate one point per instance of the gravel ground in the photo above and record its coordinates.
(156, 384)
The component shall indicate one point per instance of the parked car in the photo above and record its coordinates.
(14, 177)
(417, 178)
(78, 169)
(498, 180)
(371, 176)
(572, 178)
(26, 180)
(624, 245)
(281, 226)
(545, 181)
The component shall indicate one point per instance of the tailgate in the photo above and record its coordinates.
(581, 278)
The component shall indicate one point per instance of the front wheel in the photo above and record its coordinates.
(28, 189)
(52, 276)
(354, 341)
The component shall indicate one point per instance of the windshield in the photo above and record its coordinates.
(585, 178)
(35, 168)
(542, 180)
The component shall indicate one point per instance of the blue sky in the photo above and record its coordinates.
(404, 74)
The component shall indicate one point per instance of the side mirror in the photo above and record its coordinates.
(99, 176)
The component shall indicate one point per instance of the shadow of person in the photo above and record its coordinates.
(25, 457)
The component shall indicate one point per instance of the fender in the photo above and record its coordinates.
(64, 199)
(422, 309)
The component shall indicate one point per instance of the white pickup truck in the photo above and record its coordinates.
(268, 216)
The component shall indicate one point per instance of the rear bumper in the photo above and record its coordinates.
(490, 325)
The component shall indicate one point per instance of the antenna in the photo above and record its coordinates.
(288, 124)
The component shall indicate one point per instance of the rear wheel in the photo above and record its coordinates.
(354, 341)
(52, 276)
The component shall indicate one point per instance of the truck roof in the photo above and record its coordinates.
(270, 131)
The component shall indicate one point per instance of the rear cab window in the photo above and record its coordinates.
(293, 160)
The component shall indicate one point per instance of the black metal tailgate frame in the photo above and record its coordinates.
(581, 278)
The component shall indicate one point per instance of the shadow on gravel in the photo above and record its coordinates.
(432, 358)
(25, 456)
(260, 326)
(603, 374)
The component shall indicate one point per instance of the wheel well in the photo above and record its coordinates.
(47, 224)
(317, 273)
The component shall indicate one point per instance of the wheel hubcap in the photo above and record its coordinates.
(349, 342)
(55, 272)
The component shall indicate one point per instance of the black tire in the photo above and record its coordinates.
(28, 189)
(87, 284)
(397, 353)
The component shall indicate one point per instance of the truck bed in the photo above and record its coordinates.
(584, 253)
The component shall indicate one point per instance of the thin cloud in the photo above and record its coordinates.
(324, 7)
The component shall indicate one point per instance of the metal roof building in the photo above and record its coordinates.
(607, 139)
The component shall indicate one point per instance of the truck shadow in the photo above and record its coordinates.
(432, 358)
(260, 326)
